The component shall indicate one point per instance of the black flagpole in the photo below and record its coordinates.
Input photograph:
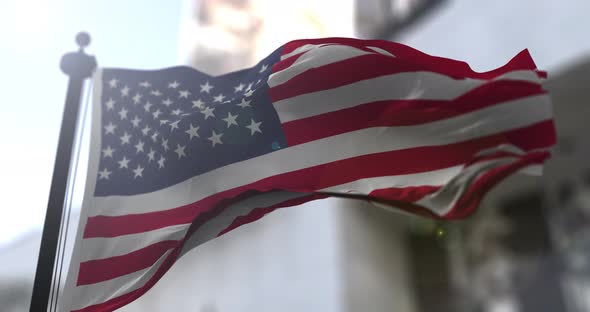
(78, 66)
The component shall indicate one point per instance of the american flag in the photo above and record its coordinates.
(179, 157)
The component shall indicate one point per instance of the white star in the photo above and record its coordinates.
(155, 136)
(180, 151)
(239, 87)
(174, 84)
(198, 104)
(110, 104)
(108, 152)
(136, 98)
(174, 125)
(123, 113)
(183, 94)
(125, 138)
(163, 121)
(135, 121)
(208, 111)
(192, 132)
(264, 67)
(139, 146)
(161, 162)
(206, 87)
(151, 155)
(157, 113)
(258, 81)
(219, 98)
(138, 172)
(110, 128)
(147, 106)
(249, 87)
(113, 83)
(146, 130)
(123, 163)
(167, 102)
(230, 119)
(165, 144)
(215, 138)
(176, 112)
(156, 93)
(104, 174)
(145, 84)
(254, 127)
(249, 93)
(244, 103)
(125, 91)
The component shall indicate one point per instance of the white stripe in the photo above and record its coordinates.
(444, 199)
(301, 49)
(100, 247)
(315, 58)
(402, 86)
(532, 170)
(380, 51)
(492, 120)
(87, 295)
(367, 185)
(216, 225)
(501, 148)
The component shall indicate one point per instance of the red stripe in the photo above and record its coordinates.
(280, 65)
(454, 68)
(471, 200)
(310, 179)
(408, 161)
(407, 194)
(540, 135)
(112, 226)
(285, 63)
(468, 203)
(415, 193)
(95, 271)
(357, 69)
(405, 112)
(261, 212)
(117, 302)
(341, 73)
(395, 48)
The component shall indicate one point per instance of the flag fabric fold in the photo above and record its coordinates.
(179, 157)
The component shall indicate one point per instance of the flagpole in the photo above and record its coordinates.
(78, 66)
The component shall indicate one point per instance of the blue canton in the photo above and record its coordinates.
(163, 127)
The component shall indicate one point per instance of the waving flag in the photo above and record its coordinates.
(179, 157)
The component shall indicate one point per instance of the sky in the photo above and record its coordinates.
(34, 34)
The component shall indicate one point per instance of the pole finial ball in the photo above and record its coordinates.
(83, 39)
(78, 64)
